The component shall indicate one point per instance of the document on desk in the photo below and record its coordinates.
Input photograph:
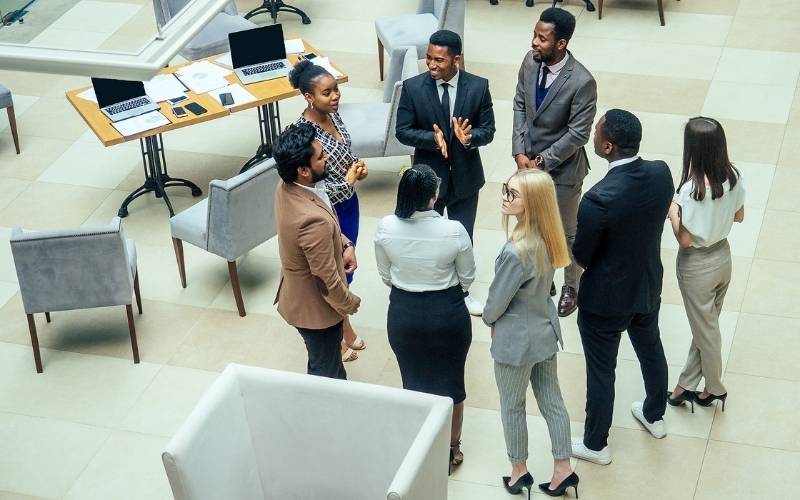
(203, 76)
(326, 63)
(164, 87)
(225, 60)
(239, 94)
(294, 46)
(89, 95)
(137, 124)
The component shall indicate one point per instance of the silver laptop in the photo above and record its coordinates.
(121, 99)
(259, 54)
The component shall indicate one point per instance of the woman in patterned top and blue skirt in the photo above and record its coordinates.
(322, 93)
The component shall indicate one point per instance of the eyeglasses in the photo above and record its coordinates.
(508, 194)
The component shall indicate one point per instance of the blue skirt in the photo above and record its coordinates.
(347, 212)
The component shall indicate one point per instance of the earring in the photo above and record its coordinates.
(311, 103)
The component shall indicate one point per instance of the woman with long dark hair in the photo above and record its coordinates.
(322, 94)
(710, 199)
(428, 262)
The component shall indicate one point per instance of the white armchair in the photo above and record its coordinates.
(372, 124)
(260, 433)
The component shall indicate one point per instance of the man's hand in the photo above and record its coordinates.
(523, 162)
(461, 130)
(356, 304)
(438, 137)
(349, 257)
(354, 172)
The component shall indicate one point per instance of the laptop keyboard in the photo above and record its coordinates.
(263, 68)
(125, 106)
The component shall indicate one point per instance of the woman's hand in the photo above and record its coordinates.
(354, 172)
(364, 172)
(674, 211)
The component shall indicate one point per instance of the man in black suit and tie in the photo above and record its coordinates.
(618, 241)
(446, 115)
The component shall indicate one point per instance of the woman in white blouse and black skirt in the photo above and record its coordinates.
(710, 199)
(428, 262)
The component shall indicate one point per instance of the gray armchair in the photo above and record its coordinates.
(237, 216)
(372, 124)
(213, 39)
(8, 103)
(415, 29)
(76, 269)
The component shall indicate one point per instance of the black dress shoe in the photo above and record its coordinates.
(528, 3)
(493, 2)
(568, 301)
(570, 481)
(589, 5)
(553, 289)
(524, 481)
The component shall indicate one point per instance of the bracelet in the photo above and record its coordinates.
(348, 245)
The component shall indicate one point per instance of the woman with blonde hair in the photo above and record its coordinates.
(525, 328)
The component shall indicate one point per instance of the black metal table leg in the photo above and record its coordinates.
(272, 7)
(156, 178)
(269, 127)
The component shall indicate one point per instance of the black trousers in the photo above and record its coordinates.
(463, 210)
(600, 336)
(324, 351)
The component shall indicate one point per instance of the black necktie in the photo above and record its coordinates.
(446, 110)
(543, 83)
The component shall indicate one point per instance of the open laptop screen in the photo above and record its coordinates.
(110, 92)
(257, 45)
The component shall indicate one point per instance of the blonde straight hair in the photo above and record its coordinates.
(539, 232)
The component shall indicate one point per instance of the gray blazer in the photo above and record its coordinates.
(526, 328)
(560, 128)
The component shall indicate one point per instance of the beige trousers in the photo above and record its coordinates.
(703, 277)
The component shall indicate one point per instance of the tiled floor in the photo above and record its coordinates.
(92, 426)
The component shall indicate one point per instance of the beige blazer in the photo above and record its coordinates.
(313, 289)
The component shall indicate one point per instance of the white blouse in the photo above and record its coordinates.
(709, 221)
(425, 252)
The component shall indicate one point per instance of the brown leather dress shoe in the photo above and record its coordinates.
(568, 301)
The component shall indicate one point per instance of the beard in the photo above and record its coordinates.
(315, 177)
(545, 58)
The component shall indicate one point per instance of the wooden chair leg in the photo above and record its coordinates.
(137, 292)
(661, 11)
(600, 9)
(380, 58)
(12, 121)
(37, 357)
(47, 316)
(178, 245)
(132, 328)
(237, 290)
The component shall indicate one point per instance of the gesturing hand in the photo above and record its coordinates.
(355, 172)
(438, 137)
(461, 128)
(364, 171)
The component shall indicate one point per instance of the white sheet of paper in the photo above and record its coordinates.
(89, 95)
(137, 124)
(200, 83)
(225, 60)
(164, 87)
(294, 46)
(326, 63)
(239, 94)
(210, 70)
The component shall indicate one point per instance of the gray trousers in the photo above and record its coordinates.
(703, 277)
(512, 383)
(569, 198)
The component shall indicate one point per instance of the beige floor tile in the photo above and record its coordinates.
(644, 467)
(127, 466)
(90, 165)
(49, 117)
(167, 401)
(258, 278)
(234, 135)
(767, 276)
(66, 84)
(752, 141)
(390, 376)
(655, 94)
(471, 491)
(736, 290)
(515, 45)
(487, 245)
(662, 133)
(504, 119)
(763, 67)
(759, 424)
(93, 16)
(775, 242)
(37, 84)
(80, 388)
(125, 43)
(374, 296)
(73, 39)
(502, 77)
(735, 471)
(43, 457)
(489, 214)
(28, 212)
(377, 194)
(748, 101)
(143, 23)
(783, 194)
(790, 152)
(37, 154)
(766, 34)
(643, 25)
(758, 181)
(4, 495)
(7, 270)
(7, 290)
(21, 103)
(778, 9)
(717, 7)
(765, 346)
(794, 114)
(10, 189)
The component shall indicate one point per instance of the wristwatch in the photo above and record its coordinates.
(348, 245)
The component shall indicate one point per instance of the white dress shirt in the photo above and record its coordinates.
(709, 221)
(555, 70)
(425, 252)
(451, 91)
(319, 190)
(622, 162)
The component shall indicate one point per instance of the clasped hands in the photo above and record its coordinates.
(461, 128)
(356, 172)
(525, 163)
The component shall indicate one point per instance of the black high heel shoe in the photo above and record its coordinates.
(524, 481)
(684, 397)
(710, 399)
(453, 460)
(570, 481)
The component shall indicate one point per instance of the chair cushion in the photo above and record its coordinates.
(367, 123)
(213, 39)
(407, 29)
(5, 98)
(191, 225)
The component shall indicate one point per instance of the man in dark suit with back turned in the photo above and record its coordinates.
(554, 108)
(446, 115)
(620, 221)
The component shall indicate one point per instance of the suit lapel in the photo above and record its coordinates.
(461, 95)
(561, 79)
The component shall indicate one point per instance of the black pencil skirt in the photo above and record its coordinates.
(430, 333)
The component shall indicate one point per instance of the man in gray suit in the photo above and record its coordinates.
(554, 109)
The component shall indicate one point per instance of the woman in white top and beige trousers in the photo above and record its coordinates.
(710, 199)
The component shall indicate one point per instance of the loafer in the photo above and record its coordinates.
(568, 301)
(579, 450)
(528, 3)
(474, 307)
(658, 429)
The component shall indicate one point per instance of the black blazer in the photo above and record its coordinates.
(420, 108)
(618, 241)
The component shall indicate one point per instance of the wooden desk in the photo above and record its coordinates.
(267, 94)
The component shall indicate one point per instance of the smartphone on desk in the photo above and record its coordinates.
(195, 108)
(179, 111)
(176, 100)
(309, 56)
(226, 99)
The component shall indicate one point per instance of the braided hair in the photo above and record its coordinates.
(417, 187)
(305, 75)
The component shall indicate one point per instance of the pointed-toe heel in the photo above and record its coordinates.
(686, 396)
(710, 399)
(524, 481)
(570, 481)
